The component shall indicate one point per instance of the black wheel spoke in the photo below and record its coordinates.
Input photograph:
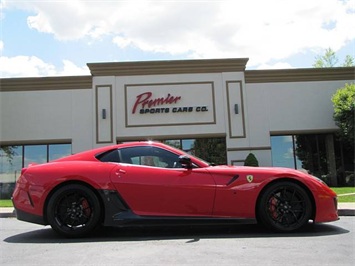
(293, 195)
(294, 216)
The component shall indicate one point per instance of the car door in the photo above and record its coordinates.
(153, 183)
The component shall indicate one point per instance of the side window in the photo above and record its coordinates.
(150, 156)
(110, 156)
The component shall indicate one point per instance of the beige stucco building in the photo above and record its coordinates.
(173, 100)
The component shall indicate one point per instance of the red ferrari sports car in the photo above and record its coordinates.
(150, 183)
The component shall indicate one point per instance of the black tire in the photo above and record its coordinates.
(284, 207)
(73, 210)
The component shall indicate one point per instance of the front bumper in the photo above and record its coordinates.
(327, 209)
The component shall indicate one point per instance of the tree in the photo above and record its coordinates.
(251, 160)
(344, 108)
(8, 152)
(330, 59)
(314, 156)
(349, 61)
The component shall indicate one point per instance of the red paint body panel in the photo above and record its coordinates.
(38, 181)
(203, 191)
(167, 192)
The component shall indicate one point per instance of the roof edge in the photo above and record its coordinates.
(168, 67)
(299, 74)
(46, 83)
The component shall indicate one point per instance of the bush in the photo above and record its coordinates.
(251, 160)
(6, 190)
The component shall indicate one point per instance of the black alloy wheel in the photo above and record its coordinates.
(73, 210)
(284, 207)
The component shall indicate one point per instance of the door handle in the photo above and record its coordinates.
(119, 172)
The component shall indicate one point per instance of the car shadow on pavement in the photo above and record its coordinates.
(189, 233)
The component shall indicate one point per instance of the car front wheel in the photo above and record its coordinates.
(284, 207)
(73, 210)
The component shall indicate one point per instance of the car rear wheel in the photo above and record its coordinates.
(284, 207)
(73, 210)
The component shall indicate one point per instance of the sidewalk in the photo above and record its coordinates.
(344, 209)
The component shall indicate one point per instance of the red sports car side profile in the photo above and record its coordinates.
(150, 183)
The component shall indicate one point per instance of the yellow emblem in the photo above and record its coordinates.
(250, 178)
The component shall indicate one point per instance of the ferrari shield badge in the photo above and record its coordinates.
(250, 178)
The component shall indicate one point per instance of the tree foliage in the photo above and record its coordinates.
(349, 61)
(251, 160)
(8, 152)
(344, 108)
(330, 59)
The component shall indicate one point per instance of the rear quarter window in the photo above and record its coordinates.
(110, 156)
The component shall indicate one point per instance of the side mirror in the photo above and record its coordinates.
(185, 161)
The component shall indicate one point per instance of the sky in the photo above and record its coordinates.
(58, 38)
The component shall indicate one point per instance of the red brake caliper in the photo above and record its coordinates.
(86, 207)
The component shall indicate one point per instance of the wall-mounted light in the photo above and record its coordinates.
(236, 109)
(103, 113)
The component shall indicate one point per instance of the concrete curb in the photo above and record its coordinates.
(7, 212)
(346, 212)
(346, 209)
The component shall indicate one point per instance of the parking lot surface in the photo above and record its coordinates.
(322, 244)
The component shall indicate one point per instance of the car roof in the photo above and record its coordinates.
(90, 155)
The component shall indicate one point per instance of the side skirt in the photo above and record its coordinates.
(118, 213)
(128, 218)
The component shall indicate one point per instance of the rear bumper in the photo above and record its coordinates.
(29, 217)
(27, 205)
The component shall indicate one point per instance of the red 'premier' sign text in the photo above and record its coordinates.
(145, 100)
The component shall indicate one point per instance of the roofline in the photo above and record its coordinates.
(176, 67)
(300, 74)
(168, 67)
(46, 83)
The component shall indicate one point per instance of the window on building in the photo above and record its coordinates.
(186, 145)
(11, 163)
(284, 152)
(56, 151)
(212, 150)
(319, 154)
(35, 154)
(14, 158)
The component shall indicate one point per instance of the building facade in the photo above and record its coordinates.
(284, 117)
